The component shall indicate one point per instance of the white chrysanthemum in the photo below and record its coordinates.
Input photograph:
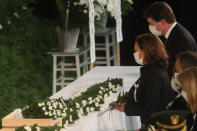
(61, 107)
(38, 128)
(46, 113)
(54, 105)
(110, 84)
(97, 99)
(44, 108)
(88, 109)
(79, 115)
(62, 100)
(102, 88)
(16, 15)
(77, 105)
(90, 98)
(50, 114)
(84, 102)
(48, 103)
(92, 109)
(50, 107)
(81, 110)
(110, 93)
(96, 104)
(100, 92)
(28, 128)
(100, 97)
(90, 102)
(39, 104)
(43, 103)
(64, 110)
(70, 118)
(71, 110)
(58, 112)
(105, 96)
(66, 123)
(84, 2)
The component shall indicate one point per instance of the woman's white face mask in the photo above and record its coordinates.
(174, 85)
(154, 30)
(137, 59)
(175, 77)
(184, 95)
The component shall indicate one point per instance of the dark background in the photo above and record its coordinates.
(133, 23)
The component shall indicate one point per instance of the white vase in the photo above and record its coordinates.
(102, 22)
(68, 39)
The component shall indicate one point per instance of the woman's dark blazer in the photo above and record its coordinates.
(153, 94)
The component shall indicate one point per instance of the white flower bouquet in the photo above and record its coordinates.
(77, 16)
(73, 109)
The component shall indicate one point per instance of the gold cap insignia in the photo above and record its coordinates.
(174, 119)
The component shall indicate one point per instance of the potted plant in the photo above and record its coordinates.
(73, 17)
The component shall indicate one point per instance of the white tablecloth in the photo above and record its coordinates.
(109, 120)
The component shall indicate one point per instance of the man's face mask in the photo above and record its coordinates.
(154, 30)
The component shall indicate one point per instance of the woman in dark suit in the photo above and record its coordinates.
(152, 91)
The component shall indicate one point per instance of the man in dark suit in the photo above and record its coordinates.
(162, 21)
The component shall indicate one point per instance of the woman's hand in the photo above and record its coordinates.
(119, 106)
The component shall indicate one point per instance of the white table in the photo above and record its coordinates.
(110, 120)
(60, 65)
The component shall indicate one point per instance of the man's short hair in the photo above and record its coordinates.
(158, 11)
(187, 59)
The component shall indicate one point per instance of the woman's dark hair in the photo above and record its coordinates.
(187, 59)
(154, 50)
(158, 11)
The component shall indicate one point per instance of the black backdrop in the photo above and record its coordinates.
(133, 24)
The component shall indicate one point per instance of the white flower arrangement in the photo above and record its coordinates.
(73, 109)
(106, 6)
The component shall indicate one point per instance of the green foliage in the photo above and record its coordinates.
(36, 128)
(25, 68)
(126, 6)
(76, 17)
(122, 98)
